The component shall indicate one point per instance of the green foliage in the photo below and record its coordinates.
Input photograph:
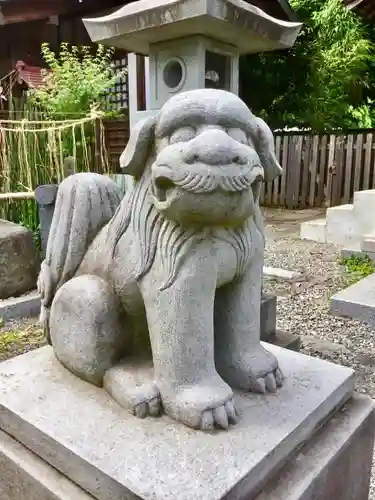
(320, 82)
(76, 81)
(359, 266)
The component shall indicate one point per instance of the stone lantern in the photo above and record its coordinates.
(191, 44)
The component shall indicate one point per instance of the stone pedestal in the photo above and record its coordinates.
(66, 439)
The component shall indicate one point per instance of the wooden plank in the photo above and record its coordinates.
(306, 150)
(313, 167)
(331, 168)
(319, 201)
(294, 171)
(348, 169)
(276, 183)
(338, 171)
(367, 162)
(284, 164)
(358, 163)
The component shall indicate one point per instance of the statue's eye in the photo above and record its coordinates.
(183, 134)
(238, 135)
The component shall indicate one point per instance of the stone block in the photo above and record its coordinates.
(81, 432)
(278, 273)
(267, 316)
(286, 340)
(342, 227)
(314, 230)
(357, 301)
(19, 260)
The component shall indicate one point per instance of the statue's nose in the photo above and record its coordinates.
(214, 147)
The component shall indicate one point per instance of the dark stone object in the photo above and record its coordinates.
(45, 197)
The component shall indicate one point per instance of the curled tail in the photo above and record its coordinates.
(85, 203)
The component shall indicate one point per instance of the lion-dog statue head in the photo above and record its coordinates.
(207, 150)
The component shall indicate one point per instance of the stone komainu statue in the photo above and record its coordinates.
(171, 271)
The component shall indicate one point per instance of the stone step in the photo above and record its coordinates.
(314, 230)
(357, 301)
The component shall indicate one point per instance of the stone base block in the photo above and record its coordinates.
(81, 432)
(335, 463)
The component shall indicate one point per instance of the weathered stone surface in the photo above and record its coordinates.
(24, 476)
(336, 463)
(178, 266)
(19, 260)
(78, 429)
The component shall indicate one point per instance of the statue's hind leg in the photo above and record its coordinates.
(87, 331)
(90, 335)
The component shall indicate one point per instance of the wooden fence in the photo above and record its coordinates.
(322, 170)
(116, 136)
(318, 170)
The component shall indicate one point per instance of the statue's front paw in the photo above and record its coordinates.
(206, 405)
(265, 374)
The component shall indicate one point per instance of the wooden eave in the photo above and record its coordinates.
(19, 11)
(364, 8)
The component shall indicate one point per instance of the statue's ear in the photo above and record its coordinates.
(134, 157)
(265, 147)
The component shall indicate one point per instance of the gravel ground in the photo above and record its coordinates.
(303, 306)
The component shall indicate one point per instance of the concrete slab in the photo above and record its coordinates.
(357, 301)
(81, 432)
(20, 307)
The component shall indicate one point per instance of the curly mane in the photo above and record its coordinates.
(157, 234)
